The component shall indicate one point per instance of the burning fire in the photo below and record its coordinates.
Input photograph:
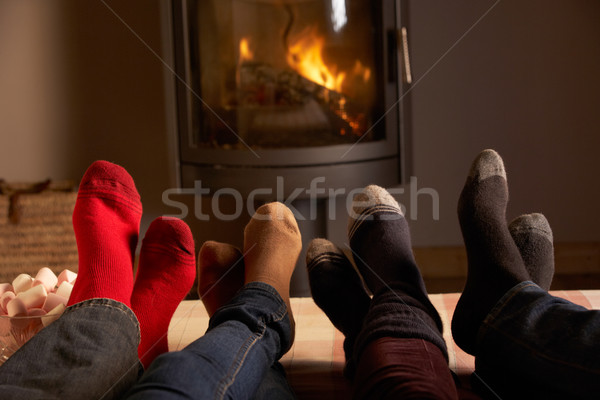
(245, 52)
(305, 56)
(345, 87)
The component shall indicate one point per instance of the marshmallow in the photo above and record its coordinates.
(53, 315)
(36, 323)
(22, 283)
(37, 312)
(54, 300)
(16, 308)
(64, 290)
(34, 297)
(66, 276)
(6, 287)
(47, 278)
(5, 298)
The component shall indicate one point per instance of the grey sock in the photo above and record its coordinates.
(533, 236)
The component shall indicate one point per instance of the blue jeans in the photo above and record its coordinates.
(91, 353)
(535, 345)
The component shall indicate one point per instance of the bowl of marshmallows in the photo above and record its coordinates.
(28, 304)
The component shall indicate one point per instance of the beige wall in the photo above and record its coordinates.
(77, 85)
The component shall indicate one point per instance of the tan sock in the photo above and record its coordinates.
(272, 244)
(220, 274)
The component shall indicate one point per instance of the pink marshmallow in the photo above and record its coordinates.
(36, 323)
(22, 283)
(34, 297)
(47, 278)
(6, 287)
(53, 315)
(64, 290)
(5, 299)
(53, 300)
(16, 308)
(66, 276)
(37, 312)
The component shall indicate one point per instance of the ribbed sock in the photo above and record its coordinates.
(106, 222)
(494, 262)
(380, 241)
(220, 274)
(272, 244)
(338, 290)
(533, 236)
(166, 273)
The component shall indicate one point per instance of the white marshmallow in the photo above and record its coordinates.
(34, 297)
(53, 315)
(5, 298)
(6, 287)
(47, 278)
(66, 276)
(64, 290)
(53, 300)
(22, 283)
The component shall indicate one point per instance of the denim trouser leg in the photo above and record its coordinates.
(90, 352)
(243, 341)
(547, 346)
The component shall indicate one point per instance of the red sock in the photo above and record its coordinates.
(166, 273)
(106, 222)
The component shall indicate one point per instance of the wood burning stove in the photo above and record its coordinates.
(291, 89)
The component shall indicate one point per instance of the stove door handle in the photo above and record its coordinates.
(403, 49)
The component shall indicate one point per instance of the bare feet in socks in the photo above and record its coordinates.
(494, 262)
(106, 221)
(338, 290)
(166, 273)
(220, 274)
(533, 236)
(272, 244)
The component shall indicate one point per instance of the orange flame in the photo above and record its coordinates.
(305, 56)
(245, 52)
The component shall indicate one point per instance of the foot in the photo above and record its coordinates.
(494, 262)
(165, 275)
(106, 221)
(533, 236)
(380, 241)
(338, 290)
(272, 244)
(220, 274)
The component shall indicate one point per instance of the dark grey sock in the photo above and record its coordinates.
(494, 262)
(380, 240)
(533, 236)
(338, 290)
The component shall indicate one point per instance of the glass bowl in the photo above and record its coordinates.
(16, 331)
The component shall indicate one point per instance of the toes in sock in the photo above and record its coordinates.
(337, 289)
(166, 273)
(272, 244)
(494, 262)
(380, 241)
(533, 236)
(220, 274)
(106, 222)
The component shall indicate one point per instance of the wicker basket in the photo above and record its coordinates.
(36, 228)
